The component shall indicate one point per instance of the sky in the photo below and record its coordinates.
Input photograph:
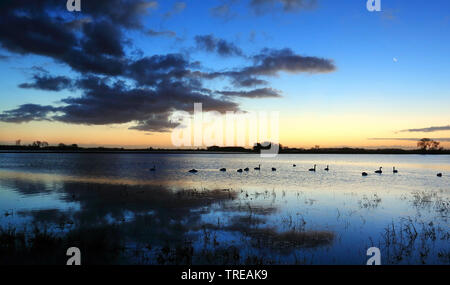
(115, 73)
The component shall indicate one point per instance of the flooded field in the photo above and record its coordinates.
(117, 211)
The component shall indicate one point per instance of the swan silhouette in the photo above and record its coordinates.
(239, 170)
(274, 169)
(394, 170)
(327, 169)
(439, 175)
(294, 165)
(313, 169)
(153, 168)
(379, 171)
(246, 169)
(223, 169)
(193, 170)
(258, 168)
(364, 174)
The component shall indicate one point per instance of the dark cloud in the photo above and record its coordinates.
(32, 6)
(183, 95)
(238, 78)
(154, 33)
(105, 102)
(27, 113)
(154, 69)
(102, 38)
(116, 87)
(248, 81)
(157, 123)
(27, 26)
(288, 6)
(48, 83)
(99, 50)
(40, 35)
(428, 130)
(256, 93)
(91, 63)
(222, 47)
(271, 62)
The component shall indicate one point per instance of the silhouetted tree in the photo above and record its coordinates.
(18, 142)
(427, 144)
(36, 144)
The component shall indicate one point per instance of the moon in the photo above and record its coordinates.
(395, 59)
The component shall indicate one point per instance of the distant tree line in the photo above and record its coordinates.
(424, 145)
(40, 145)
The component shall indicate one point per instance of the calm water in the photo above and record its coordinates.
(288, 216)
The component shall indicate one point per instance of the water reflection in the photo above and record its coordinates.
(150, 220)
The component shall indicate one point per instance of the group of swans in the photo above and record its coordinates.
(240, 170)
(380, 171)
